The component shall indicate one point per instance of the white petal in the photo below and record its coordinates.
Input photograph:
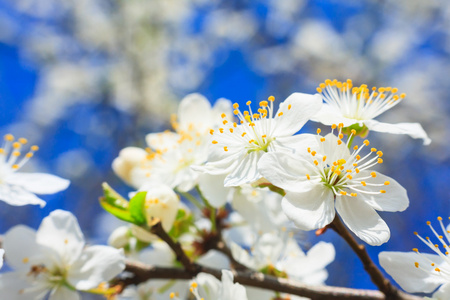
(296, 144)
(214, 259)
(230, 290)
(96, 265)
(245, 172)
(11, 285)
(310, 210)
(218, 167)
(194, 109)
(2, 253)
(414, 130)
(39, 183)
(129, 158)
(63, 293)
(329, 115)
(242, 256)
(213, 189)
(286, 171)
(21, 248)
(18, 196)
(303, 107)
(208, 286)
(160, 255)
(61, 233)
(443, 293)
(401, 266)
(363, 220)
(222, 105)
(395, 198)
(161, 140)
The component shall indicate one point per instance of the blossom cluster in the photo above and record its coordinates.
(227, 189)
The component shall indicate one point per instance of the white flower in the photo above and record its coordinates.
(419, 272)
(358, 105)
(2, 252)
(20, 188)
(328, 176)
(207, 287)
(161, 203)
(237, 148)
(170, 155)
(55, 260)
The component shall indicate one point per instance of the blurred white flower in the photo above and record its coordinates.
(357, 105)
(237, 148)
(18, 188)
(418, 272)
(329, 177)
(55, 260)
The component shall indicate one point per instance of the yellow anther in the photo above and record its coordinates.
(243, 134)
(223, 115)
(29, 155)
(387, 183)
(380, 160)
(280, 113)
(221, 130)
(234, 124)
(289, 106)
(439, 218)
(373, 174)
(271, 98)
(194, 285)
(16, 145)
(225, 148)
(402, 95)
(9, 137)
(235, 105)
(34, 148)
(214, 142)
(172, 295)
(373, 149)
(349, 176)
(248, 103)
(319, 131)
(231, 130)
(322, 139)
(324, 158)
(380, 154)
(383, 191)
(251, 141)
(343, 193)
(357, 170)
(333, 126)
(15, 167)
(353, 131)
(307, 176)
(356, 147)
(16, 153)
(341, 125)
(358, 157)
(25, 260)
(437, 270)
(354, 164)
(339, 142)
(353, 194)
(366, 142)
(428, 223)
(224, 122)
(394, 90)
(263, 103)
(313, 153)
(415, 232)
(341, 136)
(363, 183)
(211, 131)
(322, 85)
(319, 90)
(415, 250)
(416, 264)
(236, 112)
(316, 162)
(23, 141)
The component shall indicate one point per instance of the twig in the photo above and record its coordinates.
(144, 272)
(377, 277)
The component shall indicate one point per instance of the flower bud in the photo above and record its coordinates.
(128, 159)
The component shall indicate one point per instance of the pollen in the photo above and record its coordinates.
(363, 183)
(225, 148)
(380, 160)
(383, 191)
(25, 260)
(221, 130)
(211, 131)
(307, 176)
(223, 115)
(9, 137)
(271, 98)
(248, 103)
(214, 142)
(343, 193)
(316, 162)
(416, 264)
(319, 130)
(280, 113)
(322, 139)
(373, 174)
(366, 142)
(387, 183)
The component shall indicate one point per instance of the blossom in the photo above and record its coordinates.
(55, 260)
(327, 176)
(2, 252)
(161, 203)
(170, 154)
(357, 105)
(418, 272)
(18, 188)
(237, 148)
(207, 287)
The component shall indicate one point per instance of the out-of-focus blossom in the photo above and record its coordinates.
(357, 105)
(418, 272)
(17, 188)
(55, 261)
(237, 148)
(328, 177)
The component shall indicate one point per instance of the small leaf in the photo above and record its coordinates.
(113, 197)
(137, 208)
(110, 205)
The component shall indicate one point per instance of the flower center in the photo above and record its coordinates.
(10, 154)
(359, 102)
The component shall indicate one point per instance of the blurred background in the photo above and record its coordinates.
(85, 78)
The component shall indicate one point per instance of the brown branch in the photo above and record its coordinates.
(383, 284)
(144, 272)
(158, 230)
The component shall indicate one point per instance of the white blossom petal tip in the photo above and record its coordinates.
(418, 272)
(18, 188)
(348, 104)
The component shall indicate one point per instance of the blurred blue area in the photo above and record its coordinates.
(88, 135)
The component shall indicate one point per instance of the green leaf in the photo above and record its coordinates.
(113, 207)
(137, 208)
(182, 224)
